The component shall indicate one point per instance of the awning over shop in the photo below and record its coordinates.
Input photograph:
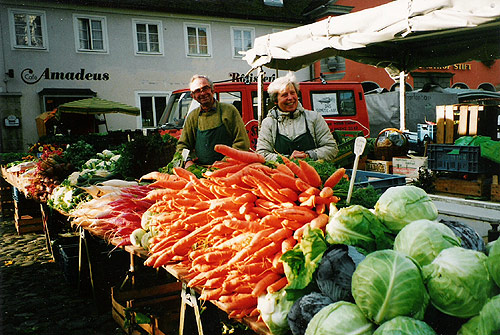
(97, 106)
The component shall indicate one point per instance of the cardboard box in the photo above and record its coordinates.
(378, 166)
(408, 166)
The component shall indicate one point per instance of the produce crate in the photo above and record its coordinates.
(67, 257)
(160, 303)
(495, 189)
(28, 224)
(379, 181)
(456, 158)
(480, 187)
(345, 142)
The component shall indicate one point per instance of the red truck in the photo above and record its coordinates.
(342, 104)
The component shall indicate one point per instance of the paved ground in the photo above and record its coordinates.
(38, 296)
(35, 298)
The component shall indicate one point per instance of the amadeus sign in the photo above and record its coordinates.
(30, 77)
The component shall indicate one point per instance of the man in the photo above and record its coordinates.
(210, 124)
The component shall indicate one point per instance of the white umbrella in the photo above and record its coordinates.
(401, 35)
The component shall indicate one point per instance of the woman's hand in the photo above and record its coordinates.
(299, 154)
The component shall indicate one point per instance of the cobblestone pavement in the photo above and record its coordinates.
(35, 298)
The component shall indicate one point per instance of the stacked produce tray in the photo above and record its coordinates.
(456, 158)
(27, 213)
(6, 201)
(379, 181)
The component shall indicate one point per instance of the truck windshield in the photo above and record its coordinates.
(178, 107)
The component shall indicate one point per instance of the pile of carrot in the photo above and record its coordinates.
(230, 228)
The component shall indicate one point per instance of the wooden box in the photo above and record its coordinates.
(28, 224)
(160, 303)
(480, 187)
(378, 166)
(495, 189)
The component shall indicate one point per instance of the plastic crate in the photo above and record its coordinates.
(345, 142)
(456, 158)
(426, 132)
(379, 181)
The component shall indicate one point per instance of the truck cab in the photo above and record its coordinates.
(342, 104)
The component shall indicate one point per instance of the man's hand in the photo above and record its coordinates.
(188, 164)
(299, 154)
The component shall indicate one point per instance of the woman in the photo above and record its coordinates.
(291, 130)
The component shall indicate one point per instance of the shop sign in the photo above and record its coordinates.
(461, 66)
(241, 78)
(30, 77)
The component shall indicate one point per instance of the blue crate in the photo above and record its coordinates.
(379, 181)
(456, 158)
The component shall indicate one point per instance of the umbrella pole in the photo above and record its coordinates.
(402, 101)
(260, 95)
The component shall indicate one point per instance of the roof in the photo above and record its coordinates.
(292, 11)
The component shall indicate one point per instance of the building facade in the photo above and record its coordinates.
(58, 51)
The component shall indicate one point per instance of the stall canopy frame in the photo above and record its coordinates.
(400, 36)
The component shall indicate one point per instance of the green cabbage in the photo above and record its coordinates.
(489, 318)
(423, 240)
(404, 325)
(387, 284)
(357, 226)
(471, 327)
(274, 308)
(493, 261)
(400, 205)
(339, 318)
(458, 282)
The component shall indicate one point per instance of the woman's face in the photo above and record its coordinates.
(288, 99)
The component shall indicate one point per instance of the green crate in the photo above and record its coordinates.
(345, 141)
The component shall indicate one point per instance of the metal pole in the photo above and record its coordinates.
(260, 95)
(402, 106)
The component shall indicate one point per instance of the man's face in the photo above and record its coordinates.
(202, 92)
(288, 99)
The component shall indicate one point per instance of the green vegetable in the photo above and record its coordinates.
(423, 240)
(489, 317)
(400, 205)
(274, 308)
(136, 237)
(358, 226)
(301, 262)
(471, 327)
(404, 325)
(458, 282)
(339, 318)
(493, 261)
(387, 284)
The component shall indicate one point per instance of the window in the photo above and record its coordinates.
(233, 98)
(152, 106)
(242, 39)
(90, 33)
(148, 37)
(28, 29)
(197, 39)
(333, 103)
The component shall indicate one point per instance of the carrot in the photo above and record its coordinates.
(163, 259)
(238, 301)
(226, 170)
(271, 221)
(261, 212)
(326, 192)
(320, 208)
(285, 169)
(288, 244)
(301, 185)
(295, 168)
(261, 287)
(183, 173)
(280, 235)
(204, 276)
(253, 268)
(285, 180)
(266, 252)
(300, 214)
(334, 178)
(278, 264)
(245, 198)
(319, 222)
(213, 294)
(289, 193)
(277, 285)
(239, 155)
(177, 184)
(156, 175)
(312, 176)
(158, 194)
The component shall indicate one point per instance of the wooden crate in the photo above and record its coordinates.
(480, 187)
(162, 304)
(495, 189)
(28, 224)
(378, 166)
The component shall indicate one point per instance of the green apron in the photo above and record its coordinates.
(207, 139)
(286, 146)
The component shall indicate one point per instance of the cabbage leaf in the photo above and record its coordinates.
(493, 261)
(404, 325)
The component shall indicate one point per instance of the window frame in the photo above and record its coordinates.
(242, 29)
(12, 28)
(152, 95)
(186, 39)
(102, 19)
(159, 24)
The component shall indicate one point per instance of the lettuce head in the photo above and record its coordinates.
(400, 205)
(404, 325)
(493, 261)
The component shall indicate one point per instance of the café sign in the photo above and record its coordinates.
(30, 77)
